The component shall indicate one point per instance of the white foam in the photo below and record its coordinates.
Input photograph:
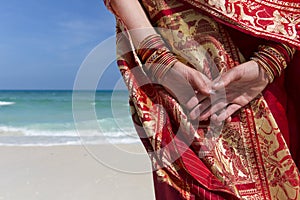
(41, 144)
(12, 131)
(70, 143)
(9, 130)
(6, 103)
(32, 137)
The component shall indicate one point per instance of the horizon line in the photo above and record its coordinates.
(62, 90)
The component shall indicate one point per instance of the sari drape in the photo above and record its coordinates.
(248, 157)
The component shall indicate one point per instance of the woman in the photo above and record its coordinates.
(211, 61)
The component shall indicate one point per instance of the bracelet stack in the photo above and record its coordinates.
(155, 56)
(273, 58)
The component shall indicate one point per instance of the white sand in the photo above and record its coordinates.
(70, 172)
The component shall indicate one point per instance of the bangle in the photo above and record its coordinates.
(264, 66)
(149, 45)
(155, 56)
(273, 58)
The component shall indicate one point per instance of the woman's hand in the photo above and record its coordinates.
(187, 85)
(233, 90)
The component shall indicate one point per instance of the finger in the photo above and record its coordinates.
(202, 91)
(192, 102)
(180, 89)
(202, 107)
(198, 81)
(232, 108)
(228, 120)
(215, 107)
(207, 104)
(214, 121)
(201, 97)
(201, 83)
(195, 113)
(226, 78)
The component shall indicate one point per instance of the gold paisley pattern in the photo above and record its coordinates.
(247, 158)
(253, 171)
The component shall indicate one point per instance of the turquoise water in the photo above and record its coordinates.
(46, 118)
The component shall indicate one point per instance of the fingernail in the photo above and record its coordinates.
(212, 92)
(203, 118)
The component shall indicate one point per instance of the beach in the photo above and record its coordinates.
(45, 155)
(72, 172)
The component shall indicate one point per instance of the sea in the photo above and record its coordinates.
(56, 117)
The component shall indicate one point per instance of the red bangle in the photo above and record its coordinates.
(273, 58)
(155, 56)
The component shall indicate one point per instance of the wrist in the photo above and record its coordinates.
(262, 72)
(155, 56)
(273, 58)
(263, 69)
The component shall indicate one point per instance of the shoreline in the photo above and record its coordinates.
(75, 172)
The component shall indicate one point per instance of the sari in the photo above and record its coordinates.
(247, 158)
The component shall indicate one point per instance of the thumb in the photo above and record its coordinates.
(201, 84)
(226, 78)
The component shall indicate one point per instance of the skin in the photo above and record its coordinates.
(239, 85)
(182, 81)
(201, 97)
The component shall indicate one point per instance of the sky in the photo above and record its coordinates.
(43, 43)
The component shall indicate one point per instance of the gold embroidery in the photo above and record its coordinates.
(279, 21)
(245, 156)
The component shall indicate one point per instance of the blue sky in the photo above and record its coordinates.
(44, 42)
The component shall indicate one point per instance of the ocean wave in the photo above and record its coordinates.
(15, 131)
(21, 136)
(39, 143)
(22, 131)
(64, 144)
(7, 103)
(62, 141)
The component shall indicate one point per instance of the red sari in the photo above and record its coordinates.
(247, 158)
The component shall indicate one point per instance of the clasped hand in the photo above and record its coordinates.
(217, 99)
